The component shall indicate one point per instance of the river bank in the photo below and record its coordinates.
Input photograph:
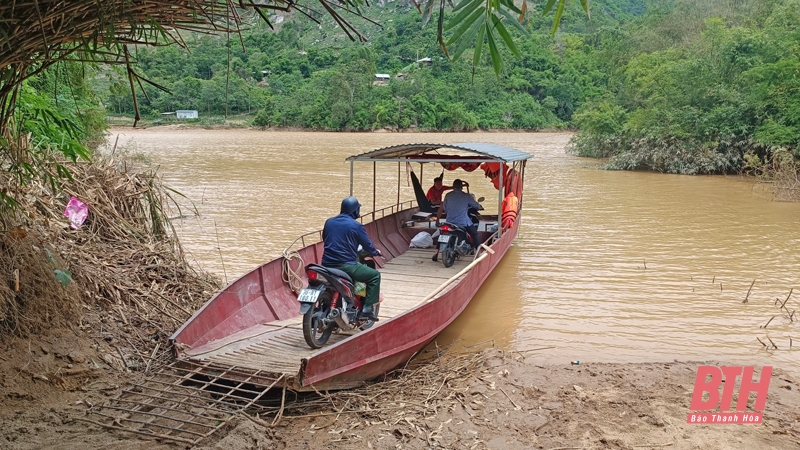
(498, 400)
(245, 123)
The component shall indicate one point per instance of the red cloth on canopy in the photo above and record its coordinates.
(512, 182)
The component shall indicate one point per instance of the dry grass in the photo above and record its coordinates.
(778, 177)
(125, 261)
(30, 297)
(439, 382)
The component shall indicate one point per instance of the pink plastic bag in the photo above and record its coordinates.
(77, 211)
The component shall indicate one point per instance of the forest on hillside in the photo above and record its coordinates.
(699, 87)
(312, 76)
(678, 86)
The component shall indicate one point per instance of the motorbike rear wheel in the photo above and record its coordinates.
(314, 335)
(449, 257)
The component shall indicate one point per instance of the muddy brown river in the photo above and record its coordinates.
(607, 267)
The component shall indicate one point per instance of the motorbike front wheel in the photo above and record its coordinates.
(315, 335)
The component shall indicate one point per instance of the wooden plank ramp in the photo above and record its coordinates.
(278, 347)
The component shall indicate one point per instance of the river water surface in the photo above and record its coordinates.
(607, 267)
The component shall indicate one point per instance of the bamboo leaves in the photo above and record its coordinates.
(477, 21)
(560, 10)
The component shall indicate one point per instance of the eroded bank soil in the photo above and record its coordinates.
(516, 404)
(506, 402)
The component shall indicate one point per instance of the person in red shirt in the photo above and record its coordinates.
(434, 194)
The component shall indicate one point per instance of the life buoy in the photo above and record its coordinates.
(510, 210)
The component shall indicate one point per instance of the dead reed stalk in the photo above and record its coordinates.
(748, 291)
(126, 263)
(418, 390)
(783, 305)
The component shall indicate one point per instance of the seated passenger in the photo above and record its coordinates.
(341, 236)
(434, 194)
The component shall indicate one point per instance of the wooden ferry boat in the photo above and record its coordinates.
(251, 330)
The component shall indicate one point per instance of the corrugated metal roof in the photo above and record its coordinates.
(481, 149)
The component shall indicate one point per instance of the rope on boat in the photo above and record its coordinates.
(290, 275)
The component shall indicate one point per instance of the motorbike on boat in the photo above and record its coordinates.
(454, 241)
(331, 302)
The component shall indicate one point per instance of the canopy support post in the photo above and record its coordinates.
(500, 204)
(398, 185)
(374, 188)
(351, 177)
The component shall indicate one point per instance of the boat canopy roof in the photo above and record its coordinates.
(477, 151)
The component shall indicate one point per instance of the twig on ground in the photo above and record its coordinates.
(510, 399)
(283, 402)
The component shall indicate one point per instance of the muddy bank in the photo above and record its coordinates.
(86, 308)
(511, 403)
(230, 124)
(500, 401)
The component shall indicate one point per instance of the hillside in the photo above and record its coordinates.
(312, 76)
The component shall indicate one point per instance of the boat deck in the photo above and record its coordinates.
(278, 347)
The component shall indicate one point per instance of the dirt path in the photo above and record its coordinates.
(504, 401)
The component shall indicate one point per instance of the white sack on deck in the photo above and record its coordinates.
(421, 240)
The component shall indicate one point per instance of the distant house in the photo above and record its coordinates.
(186, 113)
(425, 61)
(381, 79)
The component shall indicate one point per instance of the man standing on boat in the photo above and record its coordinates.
(342, 235)
(457, 204)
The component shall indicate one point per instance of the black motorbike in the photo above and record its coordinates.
(332, 302)
(454, 241)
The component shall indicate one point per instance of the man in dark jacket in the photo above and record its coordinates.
(342, 235)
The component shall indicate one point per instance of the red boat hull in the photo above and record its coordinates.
(261, 298)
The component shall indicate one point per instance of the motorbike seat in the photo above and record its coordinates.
(461, 229)
(333, 271)
(339, 274)
(455, 227)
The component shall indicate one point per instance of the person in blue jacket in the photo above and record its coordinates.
(342, 235)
